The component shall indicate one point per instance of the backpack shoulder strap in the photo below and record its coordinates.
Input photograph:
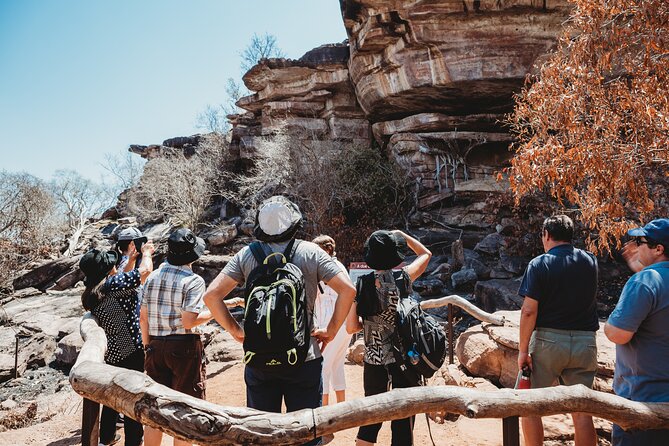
(363, 282)
(289, 252)
(258, 252)
(403, 283)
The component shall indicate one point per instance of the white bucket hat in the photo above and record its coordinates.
(277, 219)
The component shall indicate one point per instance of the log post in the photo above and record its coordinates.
(90, 423)
(510, 431)
(450, 333)
(93, 350)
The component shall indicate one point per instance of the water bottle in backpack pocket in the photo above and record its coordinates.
(276, 324)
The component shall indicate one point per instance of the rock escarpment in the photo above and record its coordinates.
(312, 99)
(435, 79)
(429, 81)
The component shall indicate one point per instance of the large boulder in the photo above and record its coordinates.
(428, 286)
(356, 352)
(46, 274)
(223, 348)
(68, 349)
(33, 351)
(463, 277)
(484, 357)
(491, 352)
(491, 244)
(221, 235)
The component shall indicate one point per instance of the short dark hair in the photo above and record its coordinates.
(559, 227)
(123, 245)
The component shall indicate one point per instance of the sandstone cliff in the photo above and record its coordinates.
(312, 99)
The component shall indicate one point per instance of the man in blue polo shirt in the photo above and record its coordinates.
(638, 325)
(558, 322)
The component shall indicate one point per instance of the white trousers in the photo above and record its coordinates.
(334, 356)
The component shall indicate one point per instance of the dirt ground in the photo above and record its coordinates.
(226, 387)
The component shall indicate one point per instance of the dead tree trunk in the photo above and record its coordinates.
(188, 418)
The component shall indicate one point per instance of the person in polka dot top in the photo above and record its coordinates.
(112, 297)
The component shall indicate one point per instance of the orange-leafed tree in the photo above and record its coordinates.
(593, 124)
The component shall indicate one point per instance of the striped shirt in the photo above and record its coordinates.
(168, 291)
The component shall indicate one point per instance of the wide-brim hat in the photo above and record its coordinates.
(384, 250)
(184, 247)
(657, 230)
(96, 264)
(278, 219)
(131, 233)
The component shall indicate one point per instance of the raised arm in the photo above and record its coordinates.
(146, 266)
(418, 266)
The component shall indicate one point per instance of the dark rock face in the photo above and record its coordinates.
(491, 244)
(498, 294)
(187, 145)
(463, 277)
(435, 79)
(46, 274)
(428, 286)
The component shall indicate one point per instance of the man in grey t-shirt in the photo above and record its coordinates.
(277, 221)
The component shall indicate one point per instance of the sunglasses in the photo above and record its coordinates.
(648, 242)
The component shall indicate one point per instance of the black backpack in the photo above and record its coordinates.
(276, 323)
(369, 302)
(419, 344)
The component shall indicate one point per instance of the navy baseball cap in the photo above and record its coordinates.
(657, 231)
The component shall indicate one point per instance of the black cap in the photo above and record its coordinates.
(384, 250)
(96, 264)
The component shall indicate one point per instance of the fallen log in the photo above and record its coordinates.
(139, 397)
(470, 308)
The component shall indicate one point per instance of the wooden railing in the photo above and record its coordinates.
(136, 395)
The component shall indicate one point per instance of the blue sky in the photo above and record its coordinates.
(81, 78)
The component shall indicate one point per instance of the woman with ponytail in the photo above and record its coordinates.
(112, 298)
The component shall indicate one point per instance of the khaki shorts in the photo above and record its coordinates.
(568, 357)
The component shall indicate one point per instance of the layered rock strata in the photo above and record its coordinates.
(311, 99)
(187, 145)
(435, 79)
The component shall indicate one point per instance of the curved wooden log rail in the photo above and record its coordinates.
(139, 397)
(470, 308)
